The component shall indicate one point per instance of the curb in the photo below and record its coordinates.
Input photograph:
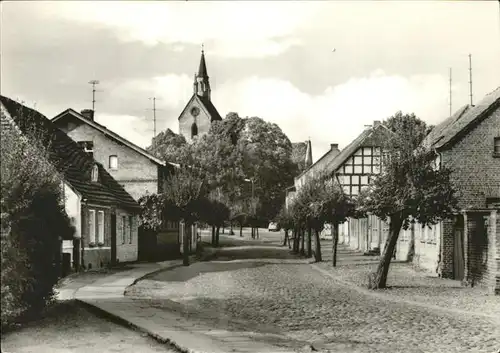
(123, 322)
(394, 299)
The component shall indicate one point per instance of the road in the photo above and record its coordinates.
(305, 305)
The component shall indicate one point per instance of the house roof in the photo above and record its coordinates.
(107, 132)
(353, 147)
(329, 153)
(453, 128)
(68, 158)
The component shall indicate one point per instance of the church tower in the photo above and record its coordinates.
(201, 80)
(199, 113)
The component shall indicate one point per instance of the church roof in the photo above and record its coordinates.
(202, 70)
(210, 107)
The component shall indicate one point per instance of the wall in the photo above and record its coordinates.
(186, 120)
(427, 245)
(135, 172)
(126, 242)
(492, 275)
(476, 173)
(72, 204)
(96, 256)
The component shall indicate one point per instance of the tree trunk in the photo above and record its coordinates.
(302, 242)
(295, 241)
(317, 251)
(411, 250)
(217, 236)
(241, 229)
(257, 232)
(309, 242)
(222, 229)
(231, 232)
(378, 279)
(335, 241)
(185, 245)
(213, 235)
(286, 237)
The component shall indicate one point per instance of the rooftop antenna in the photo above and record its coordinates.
(450, 94)
(93, 83)
(470, 78)
(154, 115)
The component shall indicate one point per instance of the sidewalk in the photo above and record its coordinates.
(408, 286)
(188, 333)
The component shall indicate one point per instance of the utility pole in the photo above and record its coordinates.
(470, 78)
(93, 83)
(451, 112)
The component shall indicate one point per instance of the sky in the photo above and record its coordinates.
(274, 60)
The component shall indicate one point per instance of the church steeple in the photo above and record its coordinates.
(201, 82)
(308, 160)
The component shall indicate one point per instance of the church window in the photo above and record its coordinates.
(194, 130)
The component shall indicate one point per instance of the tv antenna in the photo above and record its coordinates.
(470, 79)
(451, 112)
(154, 114)
(93, 83)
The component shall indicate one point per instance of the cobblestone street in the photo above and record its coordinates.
(307, 305)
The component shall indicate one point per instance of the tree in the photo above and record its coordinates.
(166, 146)
(410, 187)
(321, 200)
(33, 222)
(185, 189)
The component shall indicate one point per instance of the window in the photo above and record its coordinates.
(95, 173)
(432, 234)
(113, 162)
(100, 227)
(92, 227)
(194, 130)
(87, 146)
(496, 146)
(130, 227)
(124, 229)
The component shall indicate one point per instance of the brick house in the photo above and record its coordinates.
(469, 245)
(199, 112)
(105, 216)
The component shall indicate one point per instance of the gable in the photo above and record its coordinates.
(65, 118)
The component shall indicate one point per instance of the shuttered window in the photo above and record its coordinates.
(100, 227)
(92, 226)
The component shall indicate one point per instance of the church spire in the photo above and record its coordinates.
(201, 83)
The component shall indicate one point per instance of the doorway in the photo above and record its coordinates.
(113, 239)
(458, 249)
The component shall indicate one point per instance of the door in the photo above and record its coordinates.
(113, 239)
(458, 254)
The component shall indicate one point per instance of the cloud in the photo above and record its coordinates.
(339, 114)
(233, 29)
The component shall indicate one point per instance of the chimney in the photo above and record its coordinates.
(367, 127)
(88, 113)
(376, 123)
(334, 146)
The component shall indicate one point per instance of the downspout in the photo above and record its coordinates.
(82, 264)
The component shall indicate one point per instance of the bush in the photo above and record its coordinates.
(33, 223)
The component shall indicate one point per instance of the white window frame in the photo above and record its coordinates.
(113, 158)
(100, 227)
(124, 229)
(130, 226)
(92, 226)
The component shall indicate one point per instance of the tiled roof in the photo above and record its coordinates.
(69, 159)
(452, 128)
(106, 131)
(209, 106)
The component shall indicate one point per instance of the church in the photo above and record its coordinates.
(199, 113)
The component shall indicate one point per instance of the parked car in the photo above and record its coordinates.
(273, 227)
